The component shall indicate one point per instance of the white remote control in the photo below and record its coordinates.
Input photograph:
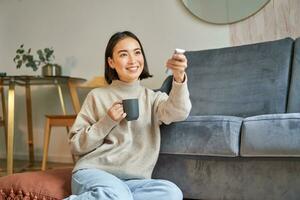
(179, 51)
(182, 51)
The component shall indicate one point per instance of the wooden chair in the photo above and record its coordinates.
(3, 117)
(67, 120)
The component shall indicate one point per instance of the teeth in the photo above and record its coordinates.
(132, 68)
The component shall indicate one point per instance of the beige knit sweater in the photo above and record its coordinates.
(126, 149)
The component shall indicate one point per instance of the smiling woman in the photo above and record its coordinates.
(224, 11)
(118, 144)
(118, 53)
(127, 60)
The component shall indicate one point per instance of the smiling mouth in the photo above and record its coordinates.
(132, 69)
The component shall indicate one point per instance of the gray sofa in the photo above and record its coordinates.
(242, 138)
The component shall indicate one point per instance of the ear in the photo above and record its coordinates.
(110, 62)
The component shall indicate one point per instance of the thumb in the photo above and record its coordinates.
(124, 115)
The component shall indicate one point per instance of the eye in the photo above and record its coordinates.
(123, 54)
(138, 52)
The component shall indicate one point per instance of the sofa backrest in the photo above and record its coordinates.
(294, 92)
(240, 81)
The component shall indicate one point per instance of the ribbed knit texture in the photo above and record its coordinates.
(126, 149)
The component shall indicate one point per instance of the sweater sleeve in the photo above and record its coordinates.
(176, 106)
(89, 130)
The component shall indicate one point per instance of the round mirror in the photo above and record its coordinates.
(224, 11)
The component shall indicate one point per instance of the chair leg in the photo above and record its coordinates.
(4, 113)
(73, 156)
(46, 144)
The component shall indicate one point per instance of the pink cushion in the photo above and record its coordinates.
(45, 185)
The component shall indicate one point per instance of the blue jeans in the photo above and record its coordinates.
(92, 184)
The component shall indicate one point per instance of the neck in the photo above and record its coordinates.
(128, 90)
(126, 84)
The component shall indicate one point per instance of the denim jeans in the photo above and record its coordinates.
(92, 184)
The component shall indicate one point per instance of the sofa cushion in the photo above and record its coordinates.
(43, 185)
(275, 135)
(239, 178)
(240, 81)
(202, 135)
(294, 92)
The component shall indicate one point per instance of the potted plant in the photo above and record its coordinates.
(44, 57)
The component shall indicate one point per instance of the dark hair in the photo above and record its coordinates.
(111, 74)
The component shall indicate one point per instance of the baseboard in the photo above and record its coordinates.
(51, 158)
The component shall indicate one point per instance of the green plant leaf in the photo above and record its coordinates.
(20, 51)
(41, 55)
(24, 57)
(17, 57)
(31, 63)
(48, 53)
(19, 63)
(29, 58)
(47, 50)
(34, 67)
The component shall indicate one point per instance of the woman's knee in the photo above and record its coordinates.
(99, 184)
(112, 193)
(171, 190)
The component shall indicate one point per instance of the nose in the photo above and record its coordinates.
(132, 58)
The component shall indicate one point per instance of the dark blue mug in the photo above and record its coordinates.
(131, 108)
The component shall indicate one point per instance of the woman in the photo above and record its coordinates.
(117, 156)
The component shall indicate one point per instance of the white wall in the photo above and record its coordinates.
(78, 30)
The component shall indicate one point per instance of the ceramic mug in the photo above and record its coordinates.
(131, 108)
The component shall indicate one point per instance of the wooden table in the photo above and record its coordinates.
(27, 81)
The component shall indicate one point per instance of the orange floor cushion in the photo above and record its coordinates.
(41, 185)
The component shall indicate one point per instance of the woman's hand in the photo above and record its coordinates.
(116, 111)
(178, 64)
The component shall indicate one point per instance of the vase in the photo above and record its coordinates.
(51, 70)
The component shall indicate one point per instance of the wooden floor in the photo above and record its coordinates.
(23, 165)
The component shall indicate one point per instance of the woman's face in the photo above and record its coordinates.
(127, 60)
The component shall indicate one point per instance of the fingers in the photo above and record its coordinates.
(117, 102)
(116, 111)
(177, 62)
(176, 65)
(179, 56)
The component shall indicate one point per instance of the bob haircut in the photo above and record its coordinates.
(111, 74)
